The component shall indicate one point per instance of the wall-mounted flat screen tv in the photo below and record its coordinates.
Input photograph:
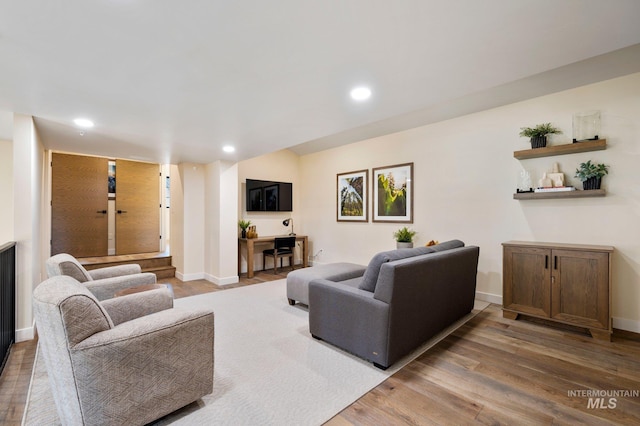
(269, 196)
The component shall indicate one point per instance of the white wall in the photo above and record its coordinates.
(28, 177)
(465, 175)
(221, 212)
(280, 166)
(187, 220)
(6, 191)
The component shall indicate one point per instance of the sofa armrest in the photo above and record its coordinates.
(115, 271)
(350, 318)
(106, 288)
(132, 306)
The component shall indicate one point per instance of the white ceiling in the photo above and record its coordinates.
(172, 81)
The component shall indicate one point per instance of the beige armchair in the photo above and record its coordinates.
(127, 360)
(103, 282)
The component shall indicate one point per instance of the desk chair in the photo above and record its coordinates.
(282, 247)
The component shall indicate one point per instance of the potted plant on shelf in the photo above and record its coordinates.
(404, 237)
(538, 134)
(591, 174)
(244, 224)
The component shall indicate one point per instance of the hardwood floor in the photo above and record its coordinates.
(492, 370)
(499, 371)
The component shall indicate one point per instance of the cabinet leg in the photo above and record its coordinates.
(509, 315)
(600, 334)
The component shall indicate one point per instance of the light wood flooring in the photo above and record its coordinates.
(490, 371)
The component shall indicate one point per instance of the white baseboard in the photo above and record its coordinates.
(626, 324)
(222, 281)
(489, 297)
(190, 277)
(24, 334)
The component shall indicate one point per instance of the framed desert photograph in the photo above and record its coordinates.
(393, 193)
(352, 196)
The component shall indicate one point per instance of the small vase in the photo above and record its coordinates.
(592, 183)
(244, 233)
(538, 142)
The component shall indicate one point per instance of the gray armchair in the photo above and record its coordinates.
(103, 282)
(127, 360)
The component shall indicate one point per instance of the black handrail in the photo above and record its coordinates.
(7, 300)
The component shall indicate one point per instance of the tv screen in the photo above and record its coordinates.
(269, 196)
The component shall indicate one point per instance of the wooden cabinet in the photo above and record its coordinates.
(567, 283)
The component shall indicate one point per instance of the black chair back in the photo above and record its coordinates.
(284, 243)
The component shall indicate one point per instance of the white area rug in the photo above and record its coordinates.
(268, 369)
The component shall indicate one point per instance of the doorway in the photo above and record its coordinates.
(81, 205)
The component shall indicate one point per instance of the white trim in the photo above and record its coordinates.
(25, 334)
(190, 277)
(222, 281)
(626, 324)
(489, 297)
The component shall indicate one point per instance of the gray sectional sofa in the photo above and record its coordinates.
(404, 297)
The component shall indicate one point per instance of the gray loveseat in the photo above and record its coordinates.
(405, 297)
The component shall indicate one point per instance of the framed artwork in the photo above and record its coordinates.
(393, 193)
(352, 197)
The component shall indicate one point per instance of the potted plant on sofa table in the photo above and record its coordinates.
(404, 237)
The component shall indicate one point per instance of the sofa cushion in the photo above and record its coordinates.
(370, 277)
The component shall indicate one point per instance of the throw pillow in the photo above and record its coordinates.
(370, 277)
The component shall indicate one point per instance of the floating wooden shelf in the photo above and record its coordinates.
(562, 194)
(569, 148)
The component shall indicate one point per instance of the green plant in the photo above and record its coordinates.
(538, 131)
(404, 235)
(590, 170)
(244, 224)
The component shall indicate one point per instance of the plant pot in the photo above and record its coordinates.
(538, 142)
(244, 233)
(403, 245)
(592, 183)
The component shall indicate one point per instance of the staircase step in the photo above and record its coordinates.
(162, 271)
(158, 263)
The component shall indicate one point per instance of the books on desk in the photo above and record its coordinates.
(555, 189)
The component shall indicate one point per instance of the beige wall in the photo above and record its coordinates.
(465, 175)
(6, 191)
(280, 166)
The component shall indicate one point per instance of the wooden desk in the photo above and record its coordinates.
(250, 243)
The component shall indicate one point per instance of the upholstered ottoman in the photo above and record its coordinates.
(298, 280)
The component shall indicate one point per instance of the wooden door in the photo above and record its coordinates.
(527, 280)
(79, 195)
(580, 288)
(137, 207)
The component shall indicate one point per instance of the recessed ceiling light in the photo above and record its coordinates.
(83, 122)
(360, 93)
(228, 148)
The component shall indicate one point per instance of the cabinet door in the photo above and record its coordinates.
(580, 288)
(527, 280)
